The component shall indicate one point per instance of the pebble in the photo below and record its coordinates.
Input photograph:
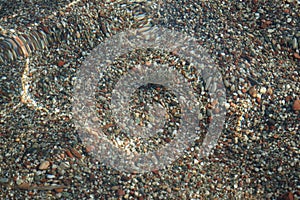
(64, 165)
(50, 176)
(59, 190)
(44, 165)
(116, 187)
(295, 43)
(76, 153)
(263, 90)
(121, 192)
(60, 63)
(296, 105)
(68, 152)
(287, 196)
(253, 92)
(296, 55)
(270, 91)
(169, 190)
(24, 186)
(4, 180)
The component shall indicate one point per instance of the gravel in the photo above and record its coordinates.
(255, 45)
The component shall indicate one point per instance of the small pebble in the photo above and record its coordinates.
(121, 192)
(287, 196)
(169, 190)
(296, 105)
(295, 43)
(263, 90)
(296, 55)
(270, 91)
(50, 176)
(76, 153)
(60, 63)
(58, 190)
(68, 152)
(3, 180)
(24, 186)
(253, 92)
(44, 165)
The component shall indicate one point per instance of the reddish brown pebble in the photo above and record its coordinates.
(89, 148)
(58, 190)
(287, 196)
(44, 165)
(265, 23)
(69, 154)
(148, 63)
(288, 98)
(121, 192)
(253, 92)
(156, 172)
(167, 140)
(296, 55)
(258, 100)
(45, 29)
(60, 63)
(24, 186)
(296, 105)
(76, 153)
(108, 126)
(276, 136)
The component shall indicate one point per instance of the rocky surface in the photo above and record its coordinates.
(255, 45)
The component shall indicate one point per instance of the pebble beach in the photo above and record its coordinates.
(255, 45)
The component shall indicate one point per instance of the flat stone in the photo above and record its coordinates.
(50, 176)
(76, 153)
(44, 165)
(24, 186)
(3, 180)
(295, 43)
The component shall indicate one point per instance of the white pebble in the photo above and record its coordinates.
(263, 90)
(227, 105)
(50, 176)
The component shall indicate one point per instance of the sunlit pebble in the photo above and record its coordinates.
(253, 92)
(44, 165)
(227, 105)
(263, 90)
(50, 176)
